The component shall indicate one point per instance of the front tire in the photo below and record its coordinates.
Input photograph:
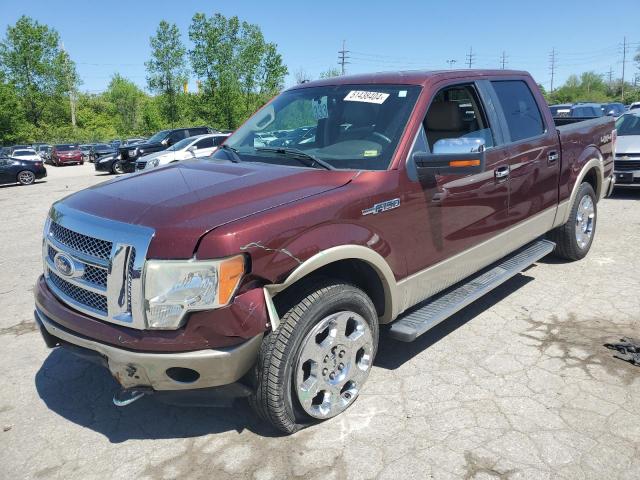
(117, 168)
(313, 366)
(574, 238)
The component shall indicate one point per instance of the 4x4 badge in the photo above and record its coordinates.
(382, 207)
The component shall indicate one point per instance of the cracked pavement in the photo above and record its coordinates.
(518, 385)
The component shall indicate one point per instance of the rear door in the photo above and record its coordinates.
(534, 149)
(204, 147)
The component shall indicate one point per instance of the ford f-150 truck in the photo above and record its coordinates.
(267, 271)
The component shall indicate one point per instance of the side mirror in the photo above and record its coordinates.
(459, 156)
(165, 142)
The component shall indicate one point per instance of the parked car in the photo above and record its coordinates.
(613, 109)
(18, 147)
(634, 106)
(267, 271)
(561, 109)
(193, 147)
(24, 172)
(43, 150)
(66, 154)
(627, 159)
(99, 150)
(586, 110)
(109, 164)
(26, 154)
(160, 141)
(86, 151)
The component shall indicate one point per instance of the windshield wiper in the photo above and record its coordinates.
(232, 153)
(304, 157)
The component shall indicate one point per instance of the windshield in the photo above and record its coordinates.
(23, 153)
(347, 126)
(158, 137)
(181, 144)
(65, 148)
(628, 125)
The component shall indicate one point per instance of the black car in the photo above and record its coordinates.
(158, 142)
(613, 109)
(24, 172)
(100, 150)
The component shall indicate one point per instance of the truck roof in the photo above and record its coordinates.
(409, 77)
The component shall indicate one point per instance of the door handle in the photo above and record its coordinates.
(552, 158)
(502, 173)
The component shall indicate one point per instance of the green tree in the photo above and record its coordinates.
(127, 100)
(43, 74)
(329, 73)
(12, 119)
(238, 68)
(167, 70)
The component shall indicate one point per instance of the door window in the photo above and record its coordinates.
(219, 140)
(177, 136)
(205, 143)
(456, 113)
(520, 109)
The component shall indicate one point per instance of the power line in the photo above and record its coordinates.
(343, 56)
(624, 62)
(451, 63)
(552, 65)
(470, 57)
(503, 59)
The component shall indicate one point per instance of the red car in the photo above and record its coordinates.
(65, 154)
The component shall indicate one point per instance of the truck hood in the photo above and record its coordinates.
(628, 144)
(185, 200)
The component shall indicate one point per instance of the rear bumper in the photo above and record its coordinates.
(213, 367)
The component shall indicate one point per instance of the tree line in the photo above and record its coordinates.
(235, 68)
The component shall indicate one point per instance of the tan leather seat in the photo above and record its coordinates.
(444, 120)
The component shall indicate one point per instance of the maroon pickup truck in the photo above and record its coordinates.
(267, 269)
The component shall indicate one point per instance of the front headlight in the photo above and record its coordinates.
(133, 151)
(174, 287)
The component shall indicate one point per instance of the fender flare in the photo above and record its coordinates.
(564, 209)
(335, 254)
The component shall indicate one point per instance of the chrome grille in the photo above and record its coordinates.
(107, 259)
(622, 165)
(92, 300)
(81, 243)
(140, 165)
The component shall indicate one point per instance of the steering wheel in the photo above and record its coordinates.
(382, 137)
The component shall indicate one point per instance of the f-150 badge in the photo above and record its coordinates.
(382, 207)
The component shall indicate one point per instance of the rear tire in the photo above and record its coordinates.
(313, 366)
(574, 238)
(26, 177)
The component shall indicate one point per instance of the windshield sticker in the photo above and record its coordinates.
(370, 153)
(367, 97)
(319, 106)
(402, 93)
(382, 207)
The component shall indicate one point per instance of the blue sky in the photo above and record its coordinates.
(104, 37)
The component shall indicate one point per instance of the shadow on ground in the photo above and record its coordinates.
(81, 392)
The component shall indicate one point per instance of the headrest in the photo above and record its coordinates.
(444, 116)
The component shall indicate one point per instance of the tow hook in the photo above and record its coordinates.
(123, 398)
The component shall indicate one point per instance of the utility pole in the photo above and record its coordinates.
(624, 62)
(343, 56)
(503, 59)
(610, 75)
(72, 93)
(552, 65)
(451, 63)
(470, 57)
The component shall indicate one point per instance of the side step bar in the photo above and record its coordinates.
(438, 308)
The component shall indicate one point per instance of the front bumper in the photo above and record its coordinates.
(158, 371)
(627, 177)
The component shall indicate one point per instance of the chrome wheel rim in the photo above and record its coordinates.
(26, 178)
(118, 169)
(585, 221)
(334, 362)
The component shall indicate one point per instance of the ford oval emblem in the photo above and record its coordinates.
(64, 264)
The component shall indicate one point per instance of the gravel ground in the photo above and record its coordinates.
(518, 385)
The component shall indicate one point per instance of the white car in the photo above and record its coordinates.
(627, 159)
(192, 147)
(26, 154)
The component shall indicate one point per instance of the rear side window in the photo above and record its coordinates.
(219, 140)
(520, 109)
(197, 131)
(205, 143)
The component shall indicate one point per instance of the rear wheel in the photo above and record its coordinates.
(574, 238)
(25, 177)
(314, 365)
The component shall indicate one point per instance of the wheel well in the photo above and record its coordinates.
(592, 179)
(356, 272)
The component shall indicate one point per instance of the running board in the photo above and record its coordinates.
(436, 309)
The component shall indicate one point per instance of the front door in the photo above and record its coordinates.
(455, 213)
